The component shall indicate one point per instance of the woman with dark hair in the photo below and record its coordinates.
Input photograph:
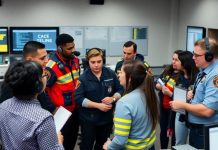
(23, 123)
(186, 80)
(169, 77)
(136, 113)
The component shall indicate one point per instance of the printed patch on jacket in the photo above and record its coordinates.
(77, 84)
(109, 89)
(47, 74)
(215, 81)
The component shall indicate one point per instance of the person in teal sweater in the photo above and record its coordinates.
(136, 113)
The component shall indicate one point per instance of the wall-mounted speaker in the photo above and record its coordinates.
(97, 2)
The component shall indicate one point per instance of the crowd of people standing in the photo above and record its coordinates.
(114, 109)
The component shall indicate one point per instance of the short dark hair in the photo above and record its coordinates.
(31, 47)
(129, 44)
(64, 38)
(21, 77)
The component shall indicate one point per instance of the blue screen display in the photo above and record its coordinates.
(46, 36)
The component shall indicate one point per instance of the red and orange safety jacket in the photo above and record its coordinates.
(62, 77)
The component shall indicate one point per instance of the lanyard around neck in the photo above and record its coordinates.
(198, 80)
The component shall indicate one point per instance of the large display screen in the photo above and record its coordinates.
(3, 40)
(20, 35)
(193, 34)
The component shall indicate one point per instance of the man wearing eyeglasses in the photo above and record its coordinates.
(203, 106)
(33, 51)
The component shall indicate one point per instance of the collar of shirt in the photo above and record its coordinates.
(91, 76)
(210, 67)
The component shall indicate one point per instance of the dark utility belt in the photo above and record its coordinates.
(193, 125)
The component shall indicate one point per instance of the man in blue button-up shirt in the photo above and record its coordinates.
(203, 106)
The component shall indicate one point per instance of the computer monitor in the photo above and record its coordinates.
(211, 135)
(20, 35)
(193, 34)
(3, 40)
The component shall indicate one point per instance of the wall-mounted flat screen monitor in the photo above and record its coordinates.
(20, 35)
(193, 34)
(3, 40)
(210, 136)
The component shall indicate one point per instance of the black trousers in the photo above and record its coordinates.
(70, 131)
(94, 135)
(196, 137)
(164, 121)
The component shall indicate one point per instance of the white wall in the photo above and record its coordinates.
(153, 13)
(196, 13)
(166, 19)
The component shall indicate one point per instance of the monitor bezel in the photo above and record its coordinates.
(29, 28)
(7, 36)
(194, 27)
(207, 136)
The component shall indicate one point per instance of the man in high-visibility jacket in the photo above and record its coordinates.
(63, 72)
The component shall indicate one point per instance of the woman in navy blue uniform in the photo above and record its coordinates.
(96, 92)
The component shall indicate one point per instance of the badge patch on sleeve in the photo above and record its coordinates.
(215, 81)
(47, 73)
(77, 84)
